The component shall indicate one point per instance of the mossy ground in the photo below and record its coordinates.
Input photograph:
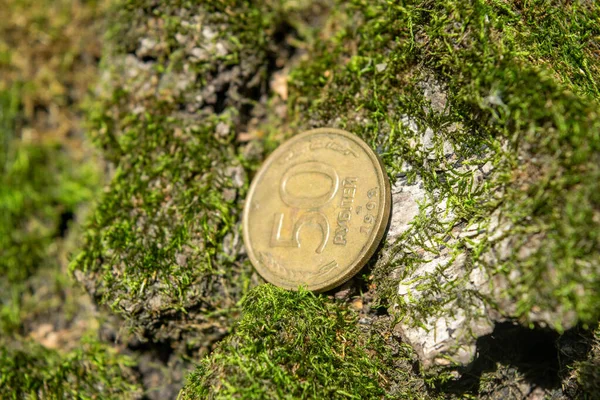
(163, 248)
(40, 191)
(183, 114)
(297, 345)
(493, 57)
(520, 94)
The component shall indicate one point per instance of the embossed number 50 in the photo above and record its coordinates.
(309, 203)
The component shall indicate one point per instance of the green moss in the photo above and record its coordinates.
(302, 346)
(30, 371)
(163, 246)
(158, 230)
(518, 85)
(559, 39)
(518, 82)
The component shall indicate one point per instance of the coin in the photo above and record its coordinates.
(316, 210)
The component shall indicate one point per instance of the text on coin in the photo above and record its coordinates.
(343, 217)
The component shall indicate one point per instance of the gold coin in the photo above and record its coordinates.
(317, 210)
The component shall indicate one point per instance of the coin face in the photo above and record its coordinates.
(317, 210)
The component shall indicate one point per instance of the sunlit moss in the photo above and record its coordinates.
(508, 100)
(519, 87)
(299, 345)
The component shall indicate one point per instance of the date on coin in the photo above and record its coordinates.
(317, 210)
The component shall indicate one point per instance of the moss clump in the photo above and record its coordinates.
(94, 370)
(464, 99)
(501, 100)
(302, 346)
(163, 248)
(154, 244)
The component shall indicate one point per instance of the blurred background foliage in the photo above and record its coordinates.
(49, 346)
